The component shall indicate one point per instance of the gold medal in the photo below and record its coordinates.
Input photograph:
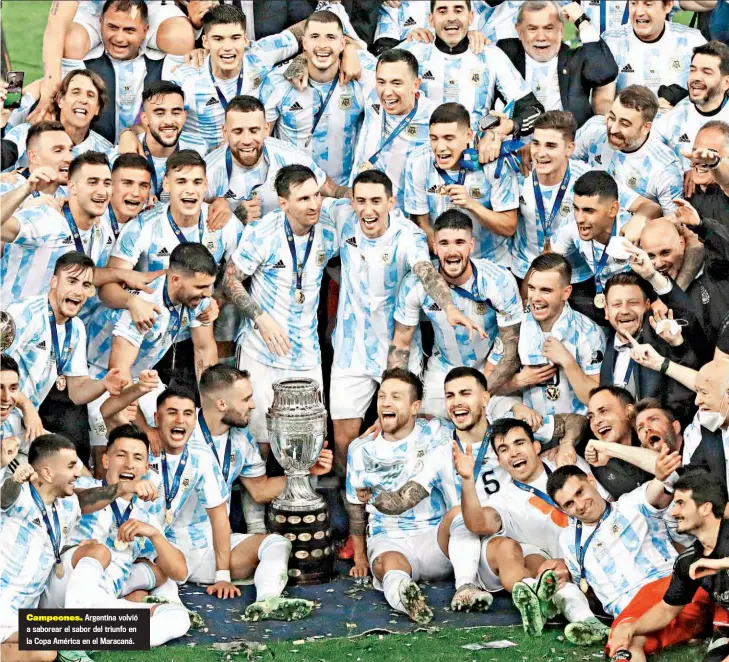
(443, 190)
(599, 300)
(59, 570)
(584, 587)
(364, 166)
(61, 382)
(120, 545)
(299, 296)
(169, 517)
(481, 308)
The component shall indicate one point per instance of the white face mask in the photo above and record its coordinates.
(713, 420)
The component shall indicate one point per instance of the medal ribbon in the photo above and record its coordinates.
(473, 294)
(479, 458)
(545, 222)
(54, 532)
(535, 491)
(320, 113)
(75, 233)
(448, 180)
(60, 357)
(156, 187)
(581, 551)
(469, 160)
(171, 493)
(178, 233)
(114, 222)
(118, 517)
(221, 96)
(175, 314)
(229, 171)
(209, 441)
(600, 266)
(384, 142)
(298, 274)
(508, 155)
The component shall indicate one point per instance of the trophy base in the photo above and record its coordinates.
(310, 534)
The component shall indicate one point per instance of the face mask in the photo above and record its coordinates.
(712, 420)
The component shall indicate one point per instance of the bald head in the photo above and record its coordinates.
(712, 387)
(664, 245)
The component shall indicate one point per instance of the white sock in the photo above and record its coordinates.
(169, 590)
(141, 577)
(391, 588)
(83, 589)
(254, 514)
(168, 622)
(464, 550)
(573, 603)
(273, 570)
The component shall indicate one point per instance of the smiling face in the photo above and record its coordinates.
(625, 309)
(9, 389)
(187, 187)
(130, 190)
(550, 151)
(648, 18)
(609, 419)
(655, 430)
(708, 139)
(70, 289)
(665, 247)
(396, 406)
(547, 294)
(122, 35)
(454, 248)
(60, 470)
(175, 418)
(519, 455)
(580, 499)
(540, 33)
(80, 105)
(712, 388)
(53, 149)
(396, 87)
(626, 128)
(450, 20)
(594, 217)
(91, 186)
(163, 117)
(226, 43)
(245, 133)
(688, 514)
(448, 140)
(372, 206)
(238, 402)
(706, 84)
(125, 460)
(465, 401)
(322, 44)
(191, 289)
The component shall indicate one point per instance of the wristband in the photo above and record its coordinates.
(222, 576)
(716, 164)
(664, 365)
(581, 20)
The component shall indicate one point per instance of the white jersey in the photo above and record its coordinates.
(612, 14)
(27, 264)
(542, 78)
(423, 183)
(293, 114)
(469, 79)
(500, 20)
(630, 549)
(259, 179)
(653, 170)
(205, 109)
(379, 464)
(265, 255)
(33, 347)
(26, 555)
(665, 61)
(397, 22)
(372, 270)
(494, 303)
(376, 130)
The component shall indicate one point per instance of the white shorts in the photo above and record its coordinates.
(433, 395)
(262, 377)
(350, 393)
(54, 597)
(9, 618)
(201, 562)
(422, 552)
(487, 578)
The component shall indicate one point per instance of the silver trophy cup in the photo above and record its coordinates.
(7, 330)
(297, 425)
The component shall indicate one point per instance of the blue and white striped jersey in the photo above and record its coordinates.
(388, 465)
(259, 179)
(26, 555)
(377, 127)
(582, 338)
(293, 114)
(263, 253)
(153, 344)
(397, 22)
(422, 185)
(205, 112)
(652, 171)
(662, 62)
(630, 549)
(32, 347)
(469, 79)
(610, 15)
(498, 305)
(14, 426)
(372, 270)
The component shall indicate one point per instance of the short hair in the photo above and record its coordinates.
(9, 364)
(403, 375)
(451, 112)
(394, 55)
(467, 371)
(323, 16)
(599, 183)
(553, 262)
(704, 488)
(161, 88)
(87, 158)
(717, 49)
(47, 445)
(432, 5)
(95, 79)
(537, 5)
(291, 175)
(133, 161)
(373, 177)
(640, 98)
(127, 431)
(453, 219)
(175, 392)
(628, 278)
(40, 128)
(502, 426)
(193, 258)
(644, 404)
(126, 6)
(560, 476)
(717, 125)
(558, 120)
(223, 15)
(245, 103)
(185, 158)
(622, 394)
(73, 260)
(220, 376)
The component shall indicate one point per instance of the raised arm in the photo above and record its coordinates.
(398, 353)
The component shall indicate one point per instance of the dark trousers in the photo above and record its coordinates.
(61, 416)
(177, 367)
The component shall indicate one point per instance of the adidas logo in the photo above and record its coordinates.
(627, 69)
(376, 107)
(229, 195)
(522, 201)
(212, 101)
(435, 308)
(352, 241)
(433, 189)
(163, 252)
(296, 106)
(279, 265)
(684, 139)
(598, 159)
(428, 75)
(109, 241)
(68, 241)
(41, 344)
(409, 21)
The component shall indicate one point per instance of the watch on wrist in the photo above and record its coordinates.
(581, 20)
(664, 365)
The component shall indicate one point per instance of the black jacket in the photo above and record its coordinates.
(105, 123)
(579, 71)
(709, 455)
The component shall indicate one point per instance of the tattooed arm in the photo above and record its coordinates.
(96, 498)
(205, 348)
(357, 519)
(508, 366)
(398, 354)
(399, 501)
(433, 284)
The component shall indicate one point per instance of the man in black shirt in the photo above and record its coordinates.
(698, 507)
(708, 190)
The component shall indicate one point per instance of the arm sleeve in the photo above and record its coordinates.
(132, 242)
(276, 48)
(78, 366)
(247, 257)
(33, 224)
(210, 488)
(526, 110)
(125, 328)
(504, 295)
(268, 96)
(417, 247)
(409, 301)
(598, 64)
(505, 191)
(682, 588)
(416, 195)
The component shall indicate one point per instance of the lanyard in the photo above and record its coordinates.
(545, 222)
(473, 294)
(114, 222)
(384, 142)
(209, 441)
(508, 155)
(171, 493)
(75, 233)
(178, 233)
(175, 314)
(54, 532)
(448, 180)
(229, 171)
(603, 16)
(61, 357)
(320, 113)
(628, 372)
(537, 492)
(118, 517)
(600, 266)
(479, 458)
(156, 186)
(298, 274)
(581, 551)
(221, 96)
